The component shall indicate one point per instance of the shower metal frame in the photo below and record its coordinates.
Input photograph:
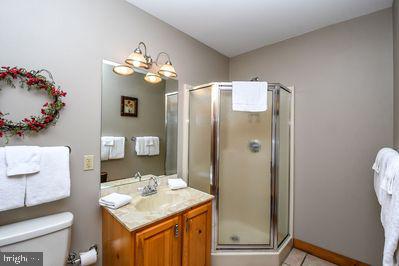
(215, 160)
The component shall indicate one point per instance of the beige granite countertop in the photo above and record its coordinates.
(143, 211)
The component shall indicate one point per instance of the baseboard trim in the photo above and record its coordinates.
(326, 254)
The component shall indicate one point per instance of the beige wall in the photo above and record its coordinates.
(395, 11)
(343, 81)
(71, 38)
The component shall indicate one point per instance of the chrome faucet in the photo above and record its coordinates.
(151, 187)
(137, 175)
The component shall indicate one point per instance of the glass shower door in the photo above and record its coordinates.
(283, 161)
(244, 211)
(200, 128)
(171, 120)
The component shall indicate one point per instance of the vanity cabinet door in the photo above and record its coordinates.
(197, 236)
(160, 245)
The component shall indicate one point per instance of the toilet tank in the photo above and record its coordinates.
(49, 234)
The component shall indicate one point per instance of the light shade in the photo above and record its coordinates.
(152, 78)
(123, 70)
(168, 70)
(137, 59)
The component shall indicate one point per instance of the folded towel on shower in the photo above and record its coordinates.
(115, 200)
(22, 160)
(53, 181)
(249, 96)
(176, 183)
(12, 188)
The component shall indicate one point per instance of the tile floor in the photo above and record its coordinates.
(300, 258)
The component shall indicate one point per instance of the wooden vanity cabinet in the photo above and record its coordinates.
(197, 236)
(160, 244)
(183, 239)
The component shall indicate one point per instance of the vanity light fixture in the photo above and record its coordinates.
(138, 59)
(167, 69)
(152, 78)
(142, 60)
(123, 70)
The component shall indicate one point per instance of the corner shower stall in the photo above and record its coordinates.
(243, 159)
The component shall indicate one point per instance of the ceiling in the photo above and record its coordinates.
(233, 27)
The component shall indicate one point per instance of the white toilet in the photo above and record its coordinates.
(49, 234)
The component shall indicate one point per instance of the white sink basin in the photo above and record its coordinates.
(155, 202)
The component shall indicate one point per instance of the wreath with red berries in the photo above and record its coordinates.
(50, 111)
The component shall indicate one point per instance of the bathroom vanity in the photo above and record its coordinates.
(167, 228)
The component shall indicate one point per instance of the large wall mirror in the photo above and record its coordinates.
(139, 126)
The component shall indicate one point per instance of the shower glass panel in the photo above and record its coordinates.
(243, 159)
(199, 163)
(244, 174)
(171, 120)
(283, 161)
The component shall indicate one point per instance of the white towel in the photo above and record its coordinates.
(153, 146)
(12, 189)
(106, 144)
(249, 96)
(117, 151)
(390, 222)
(141, 147)
(115, 200)
(176, 183)
(22, 160)
(380, 165)
(53, 181)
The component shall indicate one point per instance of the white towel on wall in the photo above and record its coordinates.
(53, 181)
(386, 186)
(12, 188)
(106, 144)
(22, 160)
(390, 222)
(153, 148)
(117, 151)
(249, 96)
(140, 146)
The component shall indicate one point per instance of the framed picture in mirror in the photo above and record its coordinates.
(129, 106)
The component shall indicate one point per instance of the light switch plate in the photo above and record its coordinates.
(88, 162)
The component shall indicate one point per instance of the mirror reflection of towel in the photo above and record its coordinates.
(147, 146)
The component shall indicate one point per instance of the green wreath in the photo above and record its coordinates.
(50, 111)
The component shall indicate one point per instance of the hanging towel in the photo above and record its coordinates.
(53, 181)
(390, 222)
(380, 167)
(176, 183)
(390, 174)
(12, 189)
(117, 151)
(115, 200)
(249, 96)
(106, 144)
(22, 160)
(153, 146)
(141, 148)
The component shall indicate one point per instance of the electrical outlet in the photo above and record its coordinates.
(88, 162)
